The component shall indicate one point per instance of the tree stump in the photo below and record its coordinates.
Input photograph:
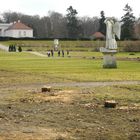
(46, 89)
(110, 104)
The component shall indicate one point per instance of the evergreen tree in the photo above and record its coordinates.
(102, 25)
(72, 23)
(128, 23)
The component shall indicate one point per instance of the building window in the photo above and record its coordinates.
(24, 33)
(0, 32)
(19, 33)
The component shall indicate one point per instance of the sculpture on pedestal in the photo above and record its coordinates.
(56, 43)
(113, 28)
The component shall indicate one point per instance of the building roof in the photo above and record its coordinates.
(98, 35)
(19, 26)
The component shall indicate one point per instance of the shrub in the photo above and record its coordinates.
(131, 48)
(29, 50)
(19, 49)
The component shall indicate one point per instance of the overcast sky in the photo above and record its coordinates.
(84, 7)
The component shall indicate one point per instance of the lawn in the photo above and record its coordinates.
(24, 67)
(44, 45)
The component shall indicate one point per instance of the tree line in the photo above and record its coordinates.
(70, 26)
(56, 25)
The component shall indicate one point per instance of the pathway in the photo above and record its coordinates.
(37, 53)
(3, 47)
(72, 84)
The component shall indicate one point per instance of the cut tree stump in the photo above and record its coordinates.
(46, 89)
(110, 104)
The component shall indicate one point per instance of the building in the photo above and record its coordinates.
(3, 27)
(98, 35)
(16, 29)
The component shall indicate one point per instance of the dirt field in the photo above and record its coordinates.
(70, 113)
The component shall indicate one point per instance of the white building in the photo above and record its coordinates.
(16, 29)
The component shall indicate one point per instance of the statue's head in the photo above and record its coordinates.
(112, 20)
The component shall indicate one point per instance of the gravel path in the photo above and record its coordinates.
(37, 53)
(3, 47)
(94, 84)
(73, 84)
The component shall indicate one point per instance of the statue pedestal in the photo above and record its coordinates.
(109, 59)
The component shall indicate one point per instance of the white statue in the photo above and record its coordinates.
(56, 43)
(113, 28)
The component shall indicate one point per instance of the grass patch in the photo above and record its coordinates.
(73, 45)
(24, 67)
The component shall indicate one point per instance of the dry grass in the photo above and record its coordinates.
(71, 114)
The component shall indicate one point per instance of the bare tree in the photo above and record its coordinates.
(89, 26)
(58, 25)
(137, 28)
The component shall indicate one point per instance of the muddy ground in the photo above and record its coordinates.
(73, 113)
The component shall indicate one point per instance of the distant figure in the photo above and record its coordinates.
(9, 48)
(113, 28)
(12, 48)
(62, 53)
(67, 52)
(52, 53)
(48, 53)
(58, 53)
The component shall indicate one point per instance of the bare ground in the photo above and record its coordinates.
(70, 114)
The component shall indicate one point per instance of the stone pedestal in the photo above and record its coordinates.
(109, 58)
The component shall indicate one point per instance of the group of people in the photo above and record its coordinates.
(51, 53)
(59, 53)
(12, 48)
